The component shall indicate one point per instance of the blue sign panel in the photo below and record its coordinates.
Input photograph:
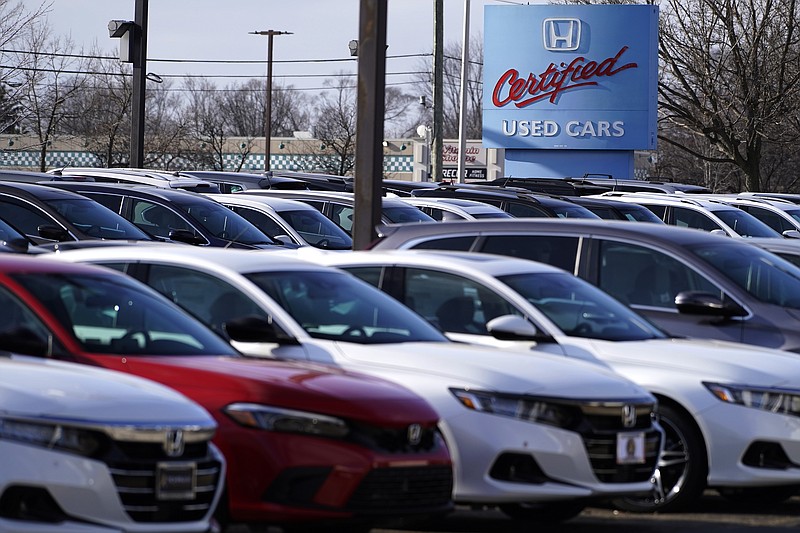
(570, 77)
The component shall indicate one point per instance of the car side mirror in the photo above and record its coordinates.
(184, 235)
(253, 328)
(791, 234)
(707, 304)
(53, 233)
(516, 328)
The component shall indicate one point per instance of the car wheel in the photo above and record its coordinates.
(682, 470)
(545, 513)
(759, 495)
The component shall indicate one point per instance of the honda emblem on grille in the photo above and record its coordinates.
(628, 416)
(173, 443)
(414, 434)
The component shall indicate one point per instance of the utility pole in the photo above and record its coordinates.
(462, 113)
(268, 102)
(139, 56)
(438, 91)
(371, 102)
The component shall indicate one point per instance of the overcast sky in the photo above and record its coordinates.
(218, 30)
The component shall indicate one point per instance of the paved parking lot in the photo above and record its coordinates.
(712, 514)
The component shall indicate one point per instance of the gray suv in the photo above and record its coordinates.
(690, 283)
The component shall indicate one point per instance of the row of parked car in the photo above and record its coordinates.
(324, 385)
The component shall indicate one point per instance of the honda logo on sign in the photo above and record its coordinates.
(561, 34)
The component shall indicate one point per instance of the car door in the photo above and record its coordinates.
(647, 279)
(266, 222)
(29, 218)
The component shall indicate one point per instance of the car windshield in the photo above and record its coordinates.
(10, 233)
(572, 211)
(317, 229)
(337, 306)
(405, 214)
(638, 214)
(225, 224)
(764, 275)
(580, 309)
(114, 315)
(745, 224)
(96, 220)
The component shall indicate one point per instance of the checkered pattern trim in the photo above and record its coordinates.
(29, 160)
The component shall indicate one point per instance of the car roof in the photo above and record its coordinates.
(275, 202)
(489, 264)
(39, 190)
(129, 188)
(664, 234)
(212, 258)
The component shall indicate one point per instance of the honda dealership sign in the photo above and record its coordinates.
(570, 77)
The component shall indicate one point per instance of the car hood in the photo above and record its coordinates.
(512, 371)
(33, 387)
(292, 385)
(703, 358)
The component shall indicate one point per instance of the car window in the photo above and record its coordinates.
(114, 314)
(404, 214)
(210, 299)
(745, 224)
(262, 221)
(111, 201)
(447, 243)
(689, 218)
(21, 331)
(580, 309)
(342, 215)
(454, 303)
(763, 275)
(638, 275)
(223, 223)
(550, 249)
(317, 229)
(26, 217)
(156, 219)
(521, 210)
(773, 220)
(334, 305)
(96, 220)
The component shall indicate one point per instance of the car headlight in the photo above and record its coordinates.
(286, 420)
(527, 408)
(51, 435)
(782, 401)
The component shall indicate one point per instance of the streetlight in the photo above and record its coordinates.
(268, 107)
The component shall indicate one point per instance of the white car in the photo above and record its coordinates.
(455, 208)
(88, 450)
(731, 412)
(288, 221)
(539, 436)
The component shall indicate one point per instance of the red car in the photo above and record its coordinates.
(303, 443)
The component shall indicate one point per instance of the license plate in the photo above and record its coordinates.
(630, 448)
(176, 481)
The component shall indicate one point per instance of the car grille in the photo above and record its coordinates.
(395, 440)
(404, 488)
(599, 429)
(134, 468)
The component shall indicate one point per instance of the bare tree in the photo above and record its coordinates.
(99, 112)
(336, 128)
(49, 79)
(452, 91)
(14, 19)
(730, 72)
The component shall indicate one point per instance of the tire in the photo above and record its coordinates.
(759, 495)
(544, 512)
(682, 470)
